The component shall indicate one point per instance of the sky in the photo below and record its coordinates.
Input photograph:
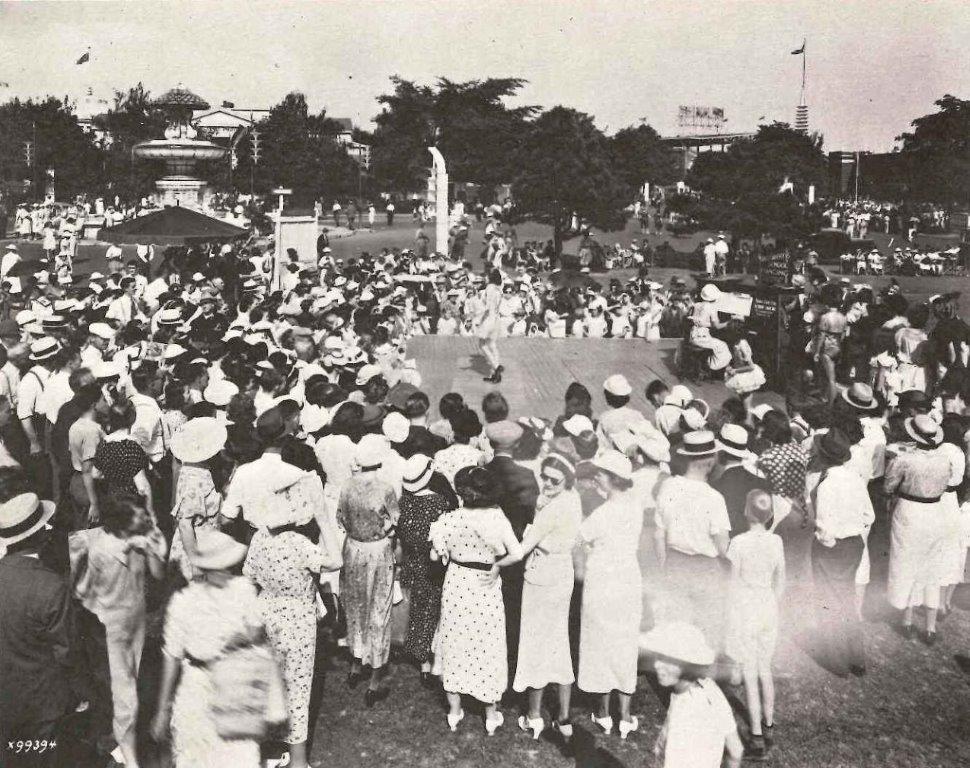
(872, 66)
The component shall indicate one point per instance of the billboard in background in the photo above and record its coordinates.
(700, 118)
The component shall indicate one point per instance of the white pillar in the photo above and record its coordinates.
(441, 201)
(811, 194)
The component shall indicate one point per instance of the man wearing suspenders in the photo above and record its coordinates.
(30, 411)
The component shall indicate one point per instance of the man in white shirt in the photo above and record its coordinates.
(710, 257)
(124, 309)
(692, 537)
(9, 260)
(144, 388)
(13, 360)
(100, 336)
(667, 416)
(721, 250)
(250, 493)
(30, 411)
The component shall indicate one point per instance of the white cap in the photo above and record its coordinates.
(618, 385)
(101, 330)
(396, 427)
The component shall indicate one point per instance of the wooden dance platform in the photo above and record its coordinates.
(537, 371)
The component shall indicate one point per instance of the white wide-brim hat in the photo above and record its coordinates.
(216, 551)
(417, 473)
(710, 292)
(199, 439)
(615, 463)
(678, 641)
(22, 516)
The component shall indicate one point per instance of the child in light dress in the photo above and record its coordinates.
(743, 375)
(757, 560)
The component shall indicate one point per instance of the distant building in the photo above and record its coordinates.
(345, 138)
(224, 122)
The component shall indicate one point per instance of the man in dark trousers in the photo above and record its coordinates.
(733, 480)
(35, 621)
(516, 492)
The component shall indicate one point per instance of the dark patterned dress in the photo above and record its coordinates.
(419, 574)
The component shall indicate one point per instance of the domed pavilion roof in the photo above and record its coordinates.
(181, 97)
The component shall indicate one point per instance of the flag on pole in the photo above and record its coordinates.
(85, 57)
(800, 51)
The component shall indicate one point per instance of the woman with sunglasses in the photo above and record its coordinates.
(544, 655)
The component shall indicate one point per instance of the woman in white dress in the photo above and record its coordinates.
(703, 319)
(954, 550)
(612, 603)
(470, 652)
(544, 657)
(917, 478)
(488, 326)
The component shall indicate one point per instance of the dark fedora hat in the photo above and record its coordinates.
(833, 447)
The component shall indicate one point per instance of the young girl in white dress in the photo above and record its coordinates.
(757, 582)
(744, 376)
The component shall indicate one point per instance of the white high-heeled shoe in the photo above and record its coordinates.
(566, 729)
(606, 723)
(626, 728)
(494, 724)
(536, 726)
(453, 720)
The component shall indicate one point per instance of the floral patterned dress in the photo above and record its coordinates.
(422, 576)
(196, 499)
(283, 566)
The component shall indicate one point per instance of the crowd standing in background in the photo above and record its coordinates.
(262, 462)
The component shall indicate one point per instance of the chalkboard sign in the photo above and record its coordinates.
(764, 306)
(773, 269)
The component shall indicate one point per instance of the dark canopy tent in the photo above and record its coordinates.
(172, 226)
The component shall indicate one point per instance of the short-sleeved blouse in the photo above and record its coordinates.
(471, 535)
(449, 460)
(785, 467)
(367, 502)
(758, 554)
(196, 497)
(704, 315)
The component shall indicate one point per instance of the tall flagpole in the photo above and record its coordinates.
(801, 112)
(804, 60)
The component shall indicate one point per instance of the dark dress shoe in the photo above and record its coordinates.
(497, 376)
(353, 678)
(427, 680)
(930, 638)
(906, 631)
(756, 750)
(769, 734)
(371, 697)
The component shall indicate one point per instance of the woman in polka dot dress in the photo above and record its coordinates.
(470, 654)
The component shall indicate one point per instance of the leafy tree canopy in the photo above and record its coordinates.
(469, 122)
(935, 155)
(564, 166)
(640, 156)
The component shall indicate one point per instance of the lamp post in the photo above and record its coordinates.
(275, 279)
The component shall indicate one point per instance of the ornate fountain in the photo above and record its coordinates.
(181, 150)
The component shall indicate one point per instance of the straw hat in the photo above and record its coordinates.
(370, 453)
(44, 349)
(926, 432)
(860, 397)
(219, 392)
(617, 385)
(199, 439)
(733, 440)
(576, 424)
(216, 551)
(22, 516)
(615, 463)
(417, 473)
(698, 444)
(678, 641)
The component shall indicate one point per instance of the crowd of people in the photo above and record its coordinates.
(261, 462)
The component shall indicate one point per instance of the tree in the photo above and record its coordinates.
(935, 155)
(133, 118)
(300, 151)
(58, 143)
(739, 189)
(468, 121)
(639, 156)
(564, 167)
